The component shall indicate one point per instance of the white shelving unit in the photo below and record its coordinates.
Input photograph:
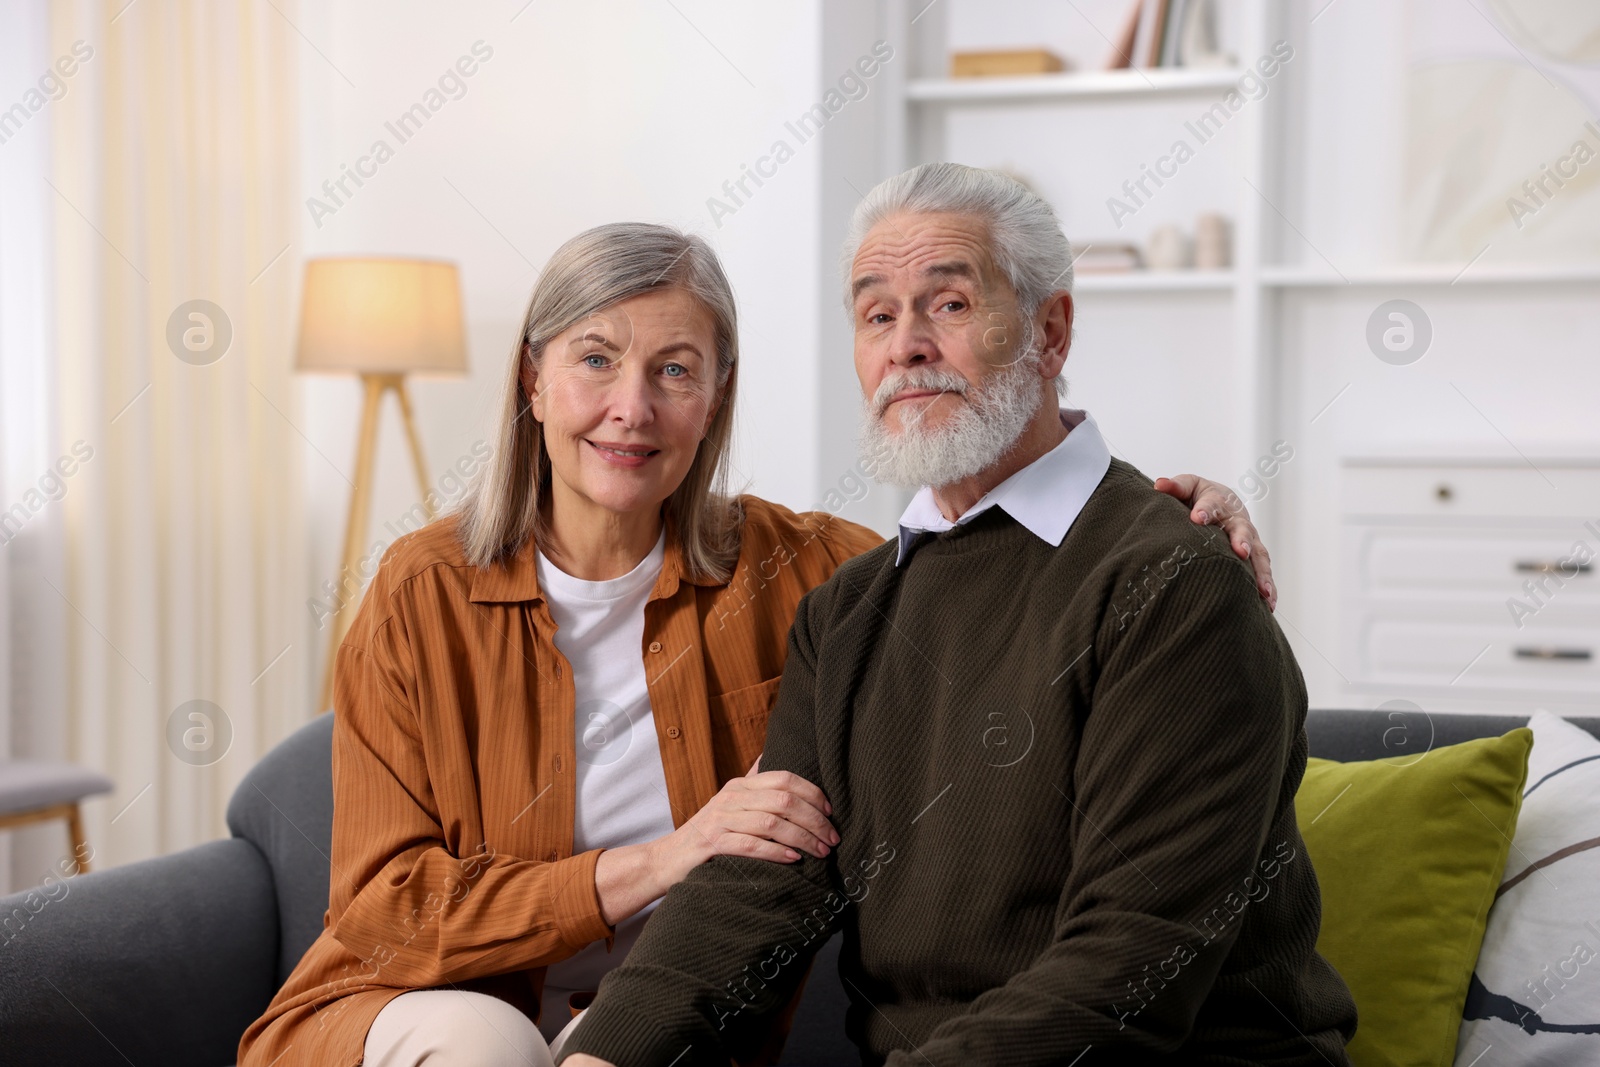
(1156, 281)
(1432, 275)
(1086, 85)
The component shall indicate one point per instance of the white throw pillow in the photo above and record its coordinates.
(1535, 994)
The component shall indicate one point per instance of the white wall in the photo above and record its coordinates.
(584, 114)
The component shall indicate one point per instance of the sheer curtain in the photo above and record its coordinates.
(170, 191)
(33, 669)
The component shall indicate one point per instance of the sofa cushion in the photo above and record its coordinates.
(1535, 994)
(284, 806)
(1409, 851)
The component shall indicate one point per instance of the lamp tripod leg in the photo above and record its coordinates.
(416, 446)
(349, 579)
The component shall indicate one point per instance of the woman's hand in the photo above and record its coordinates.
(1212, 503)
(768, 815)
(773, 815)
(583, 1059)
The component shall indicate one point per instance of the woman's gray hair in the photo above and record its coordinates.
(1024, 234)
(600, 267)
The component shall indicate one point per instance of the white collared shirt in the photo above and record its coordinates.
(1045, 496)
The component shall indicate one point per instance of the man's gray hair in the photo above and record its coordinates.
(1026, 239)
(1025, 236)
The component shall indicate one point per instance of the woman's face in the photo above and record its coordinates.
(625, 397)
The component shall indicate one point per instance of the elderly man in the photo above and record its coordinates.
(1048, 845)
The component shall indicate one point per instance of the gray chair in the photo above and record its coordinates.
(41, 790)
(167, 961)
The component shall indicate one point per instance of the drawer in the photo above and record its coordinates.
(1443, 492)
(1562, 562)
(1546, 659)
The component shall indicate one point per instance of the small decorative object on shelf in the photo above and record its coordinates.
(1167, 249)
(1106, 257)
(1213, 242)
(1191, 37)
(1008, 63)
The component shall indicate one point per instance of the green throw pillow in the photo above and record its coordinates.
(1408, 851)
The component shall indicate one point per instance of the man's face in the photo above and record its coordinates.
(927, 296)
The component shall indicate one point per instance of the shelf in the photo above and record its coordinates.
(1097, 84)
(1144, 280)
(1154, 281)
(1433, 274)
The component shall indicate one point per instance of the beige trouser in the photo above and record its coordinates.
(454, 1028)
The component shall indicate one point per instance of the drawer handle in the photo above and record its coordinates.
(1583, 654)
(1563, 567)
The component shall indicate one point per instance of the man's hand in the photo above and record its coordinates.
(1214, 504)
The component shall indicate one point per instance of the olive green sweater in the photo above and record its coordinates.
(1064, 781)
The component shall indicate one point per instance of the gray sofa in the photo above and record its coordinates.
(167, 961)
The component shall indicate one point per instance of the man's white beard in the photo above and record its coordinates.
(975, 437)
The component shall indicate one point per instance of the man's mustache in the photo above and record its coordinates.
(890, 388)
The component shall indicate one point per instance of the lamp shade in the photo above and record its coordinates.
(381, 316)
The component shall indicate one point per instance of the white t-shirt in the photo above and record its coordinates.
(622, 789)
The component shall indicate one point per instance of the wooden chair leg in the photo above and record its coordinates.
(80, 849)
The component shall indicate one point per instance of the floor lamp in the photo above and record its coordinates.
(380, 318)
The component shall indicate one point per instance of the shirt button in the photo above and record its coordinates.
(552, 856)
(655, 646)
(673, 731)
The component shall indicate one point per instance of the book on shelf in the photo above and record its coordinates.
(1168, 33)
(1122, 48)
(1152, 23)
(1005, 63)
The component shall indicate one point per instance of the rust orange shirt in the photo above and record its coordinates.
(454, 780)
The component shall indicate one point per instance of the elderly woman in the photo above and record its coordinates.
(551, 704)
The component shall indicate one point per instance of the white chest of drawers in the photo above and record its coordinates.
(1472, 584)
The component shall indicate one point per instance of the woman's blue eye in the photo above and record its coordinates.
(595, 356)
(675, 370)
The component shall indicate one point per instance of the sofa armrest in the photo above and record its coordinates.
(160, 962)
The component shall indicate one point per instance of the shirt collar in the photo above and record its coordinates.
(1045, 496)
